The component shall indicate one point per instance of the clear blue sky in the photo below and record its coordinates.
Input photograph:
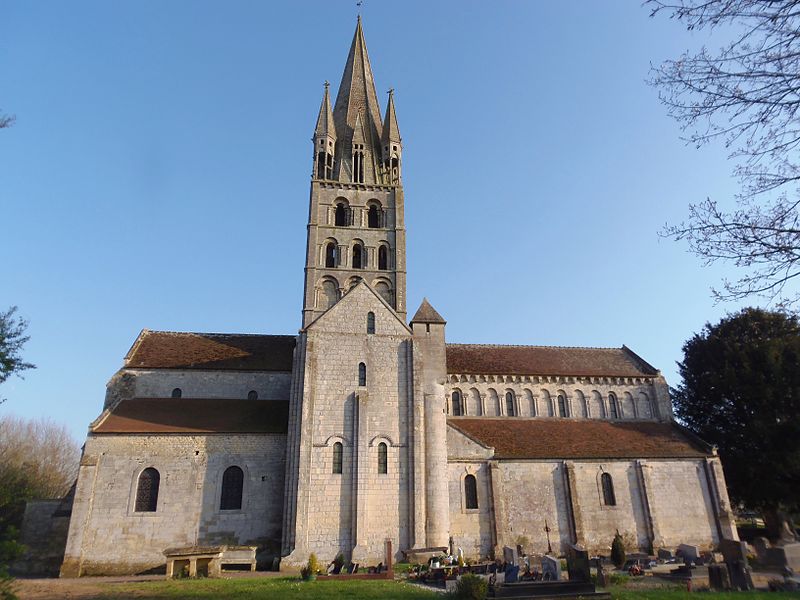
(158, 175)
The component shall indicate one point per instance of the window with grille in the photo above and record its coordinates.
(147, 490)
(337, 458)
(383, 459)
(470, 492)
(232, 487)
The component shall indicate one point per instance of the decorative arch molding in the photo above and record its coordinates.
(385, 439)
(331, 440)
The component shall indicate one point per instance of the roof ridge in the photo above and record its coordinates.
(539, 346)
(169, 332)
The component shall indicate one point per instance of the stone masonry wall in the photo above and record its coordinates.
(107, 536)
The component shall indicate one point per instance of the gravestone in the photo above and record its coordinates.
(578, 564)
(735, 555)
(718, 579)
(551, 568)
(785, 557)
(689, 553)
(761, 545)
(664, 554)
(510, 555)
(602, 579)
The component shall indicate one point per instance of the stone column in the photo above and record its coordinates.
(483, 404)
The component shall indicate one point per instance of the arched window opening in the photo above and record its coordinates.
(147, 490)
(252, 395)
(510, 404)
(358, 163)
(370, 322)
(330, 255)
(456, 404)
(374, 217)
(562, 406)
(358, 256)
(337, 458)
(362, 374)
(330, 293)
(177, 393)
(383, 466)
(342, 215)
(321, 161)
(470, 492)
(609, 499)
(383, 258)
(232, 486)
(613, 407)
(385, 292)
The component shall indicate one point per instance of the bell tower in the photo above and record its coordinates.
(356, 228)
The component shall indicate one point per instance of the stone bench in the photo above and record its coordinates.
(207, 561)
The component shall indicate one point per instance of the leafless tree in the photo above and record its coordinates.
(6, 120)
(746, 95)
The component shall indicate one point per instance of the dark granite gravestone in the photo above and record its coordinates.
(718, 579)
(551, 568)
(735, 555)
(578, 564)
(689, 553)
(664, 554)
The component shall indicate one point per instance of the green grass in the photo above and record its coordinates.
(291, 588)
(288, 588)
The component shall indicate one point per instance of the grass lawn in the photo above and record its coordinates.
(291, 588)
(288, 588)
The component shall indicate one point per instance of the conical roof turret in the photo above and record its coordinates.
(391, 132)
(325, 126)
(357, 93)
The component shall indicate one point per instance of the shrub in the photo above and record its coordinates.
(309, 572)
(618, 551)
(471, 587)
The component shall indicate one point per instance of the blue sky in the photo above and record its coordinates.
(158, 175)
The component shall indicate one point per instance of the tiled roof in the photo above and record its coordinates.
(554, 438)
(196, 415)
(427, 314)
(492, 359)
(236, 352)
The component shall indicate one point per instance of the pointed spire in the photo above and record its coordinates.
(427, 314)
(325, 119)
(357, 92)
(391, 132)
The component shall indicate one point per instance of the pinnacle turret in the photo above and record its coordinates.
(391, 132)
(325, 126)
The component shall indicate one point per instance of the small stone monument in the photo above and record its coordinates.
(578, 564)
(761, 545)
(689, 553)
(551, 568)
(510, 555)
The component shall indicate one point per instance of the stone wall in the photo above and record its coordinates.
(44, 535)
(195, 383)
(107, 536)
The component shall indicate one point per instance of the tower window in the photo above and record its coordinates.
(232, 485)
(383, 258)
(613, 407)
(177, 393)
(337, 458)
(374, 217)
(383, 466)
(510, 404)
(370, 322)
(456, 404)
(362, 374)
(147, 491)
(358, 257)
(330, 255)
(252, 395)
(470, 492)
(562, 406)
(342, 216)
(358, 163)
(609, 499)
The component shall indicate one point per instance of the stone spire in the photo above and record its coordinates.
(325, 127)
(391, 132)
(357, 94)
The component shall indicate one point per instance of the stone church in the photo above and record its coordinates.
(366, 426)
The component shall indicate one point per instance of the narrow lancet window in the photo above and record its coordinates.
(383, 460)
(147, 490)
(470, 492)
(374, 217)
(562, 406)
(370, 322)
(232, 486)
(510, 404)
(456, 404)
(362, 374)
(383, 258)
(613, 407)
(609, 499)
(340, 219)
(358, 257)
(337, 458)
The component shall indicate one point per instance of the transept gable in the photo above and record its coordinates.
(351, 313)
